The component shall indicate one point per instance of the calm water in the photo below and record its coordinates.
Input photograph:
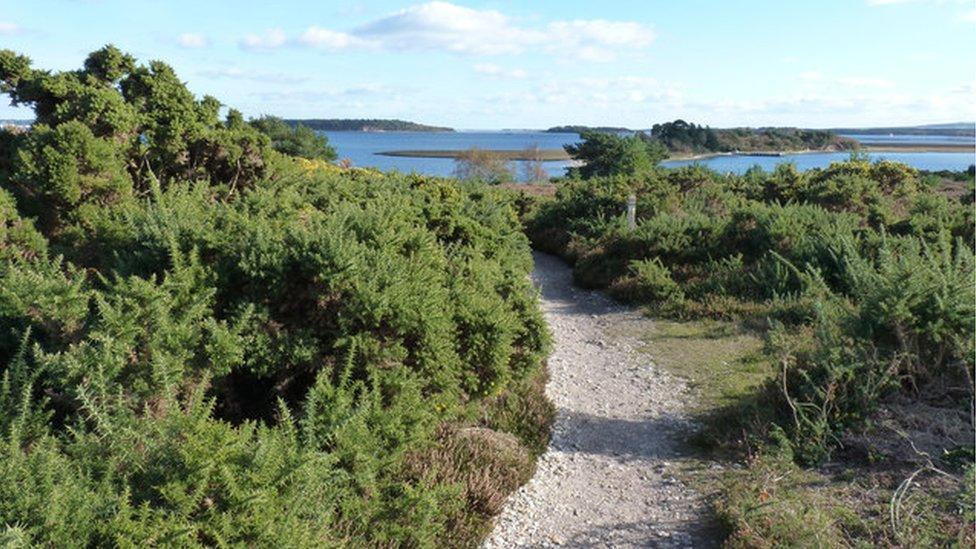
(362, 148)
(914, 139)
(739, 164)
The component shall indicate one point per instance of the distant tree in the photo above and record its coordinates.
(533, 169)
(611, 154)
(297, 140)
(367, 125)
(686, 137)
(477, 164)
(681, 136)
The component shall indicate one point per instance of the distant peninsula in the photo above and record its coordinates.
(958, 129)
(581, 129)
(366, 125)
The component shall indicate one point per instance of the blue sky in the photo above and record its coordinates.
(517, 64)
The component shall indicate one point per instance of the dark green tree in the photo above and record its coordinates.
(146, 114)
(605, 154)
(297, 140)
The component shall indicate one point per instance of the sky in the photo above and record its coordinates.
(518, 64)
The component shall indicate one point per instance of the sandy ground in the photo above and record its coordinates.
(609, 476)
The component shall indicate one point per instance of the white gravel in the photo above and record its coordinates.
(608, 478)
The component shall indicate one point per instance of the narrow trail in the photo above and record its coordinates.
(608, 478)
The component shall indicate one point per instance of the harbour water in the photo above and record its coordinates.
(363, 148)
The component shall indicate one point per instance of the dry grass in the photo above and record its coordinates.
(546, 190)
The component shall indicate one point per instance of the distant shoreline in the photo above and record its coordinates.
(367, 125)
(919, 147)
(557, 155)
(545, 155)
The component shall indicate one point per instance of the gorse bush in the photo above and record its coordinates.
(204, 342)
(298, 140)
(877, 267)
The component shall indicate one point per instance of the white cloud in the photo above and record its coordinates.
(447, 26)
(366, 97)
(597, 39)
(9, 28)
(970, 16)
(235, 73)
(604, 93)
(271, 39)
(811, 75)
(492, 69)
(318, 37)
(192, 40)
(623, 34)
(827, 108)
(443, 26)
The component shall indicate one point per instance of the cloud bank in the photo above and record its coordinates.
(447, 27)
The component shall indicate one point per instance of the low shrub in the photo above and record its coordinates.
(878, 266)
(648, 281)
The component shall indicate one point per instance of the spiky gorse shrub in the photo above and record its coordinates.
(876, 266)
(249, 359)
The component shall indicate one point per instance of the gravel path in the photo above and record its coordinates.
(608, 478)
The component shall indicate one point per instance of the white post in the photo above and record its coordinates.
(632, 212)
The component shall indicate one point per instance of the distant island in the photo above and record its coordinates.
(680, 140)
(581, 129)
(366, 125)
(954, 129)
(685, 138)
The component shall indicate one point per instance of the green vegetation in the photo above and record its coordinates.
(603, 152)
(607, 154)
(859, 277)
(682, 137)
(581, 129)
(367, 125)
(204, 342)
(295, 140)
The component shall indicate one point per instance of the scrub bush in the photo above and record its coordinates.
(206, 343)
(878, 268)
